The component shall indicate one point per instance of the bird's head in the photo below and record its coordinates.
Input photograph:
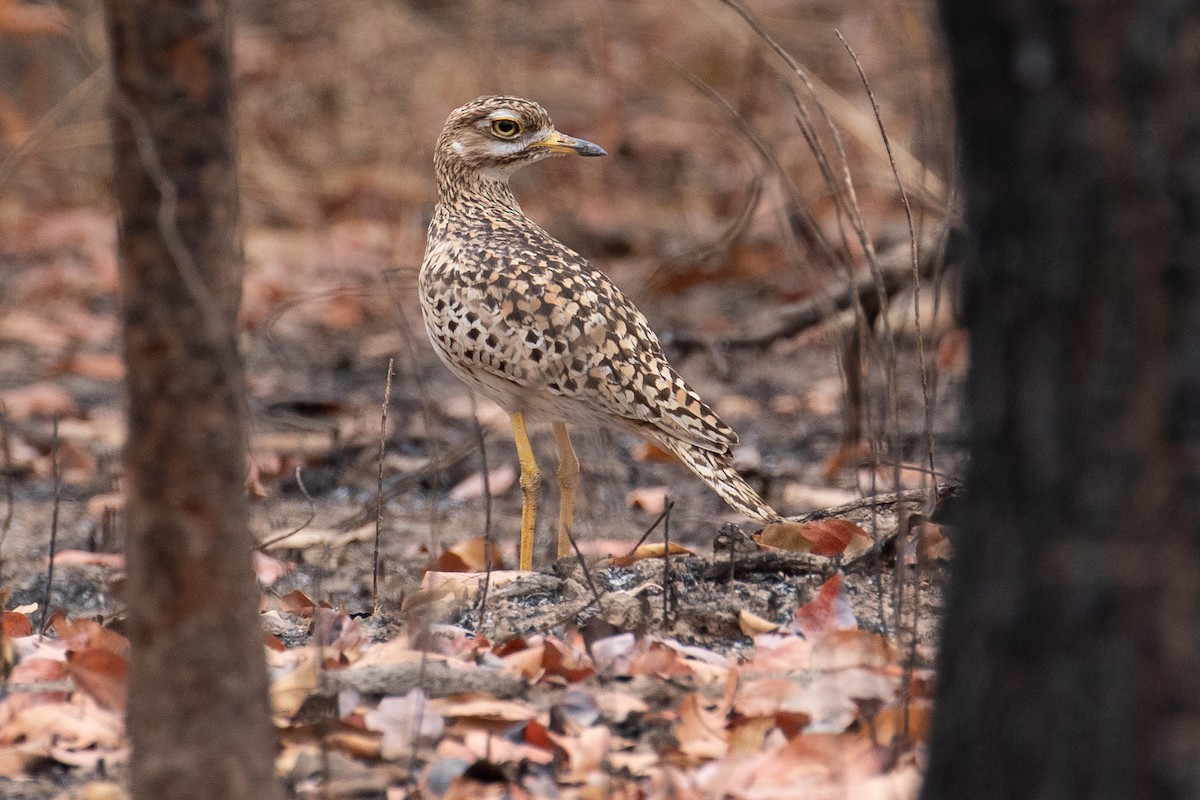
(494, 136)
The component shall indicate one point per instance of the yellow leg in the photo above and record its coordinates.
(530, 478)
(568, 481)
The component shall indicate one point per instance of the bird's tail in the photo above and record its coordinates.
(714, 469)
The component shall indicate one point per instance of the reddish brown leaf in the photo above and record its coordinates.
(16, 624)
(652, 453)
(101, 673)
(829, 610)
(85, 634)
(825, 537)
(99, 366)
(559, 659)
(469, 556)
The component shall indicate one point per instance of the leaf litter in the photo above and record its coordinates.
(809, 703)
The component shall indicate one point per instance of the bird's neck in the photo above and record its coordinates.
(486, 190)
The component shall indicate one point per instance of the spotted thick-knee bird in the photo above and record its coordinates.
(529, 323)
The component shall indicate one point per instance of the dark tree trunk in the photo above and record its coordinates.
(1070, 663)
(198, 715)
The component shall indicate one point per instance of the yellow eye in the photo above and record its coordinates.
(506, 128)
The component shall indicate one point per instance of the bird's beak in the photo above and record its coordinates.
(561, 143)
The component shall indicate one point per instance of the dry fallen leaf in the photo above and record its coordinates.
(37, 400)
(652, 453)
(499, 481)
(470, 555)
(99, 504)
(650, 550)
(404, 721)
(99, 366)
(65, 558)
(268, 570)
(752, 624)
(77, 635)
(290, 691)
(101, 673)
(891, 722)
(825, 537)
(778, 654)
(651, 499)
(701, 729)
(483, 708)
(16, 624)
(841, 649)
(829, 610)
(824, 396)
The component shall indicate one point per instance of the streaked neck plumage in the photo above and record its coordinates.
(463, 187)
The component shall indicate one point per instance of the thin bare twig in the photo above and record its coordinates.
(667, 564)
(312, 514)
(9, 494)
(72, 100)
(57, 476)
(387, 399)
(426, 415)
(487, 512)
(432, 468)
(905, 523)
(661, 516)
(587, 573)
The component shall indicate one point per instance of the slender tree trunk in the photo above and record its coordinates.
(1070, 662)
(198, 715)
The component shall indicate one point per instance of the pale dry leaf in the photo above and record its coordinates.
(99, 504)
(802, 497)
(499, 481)
(98, 366)
(37, 330)
(290, 690)
(651, 499)
(268, 570)
(824, 397)
(840, 649)
(617, 706)
(499, 750)
(404, 721)
(316, 538)
(899, 784)
(736, 407)
(356, 744)
(97, 790)
(650, 550)
(764, 697)
(490, 415)
(751, 624)
(43, 399)
(613, 653)
(701, 729)
(75, 558)
(778, 654)
(483, 707)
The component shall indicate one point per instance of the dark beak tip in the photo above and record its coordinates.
(593, 150)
